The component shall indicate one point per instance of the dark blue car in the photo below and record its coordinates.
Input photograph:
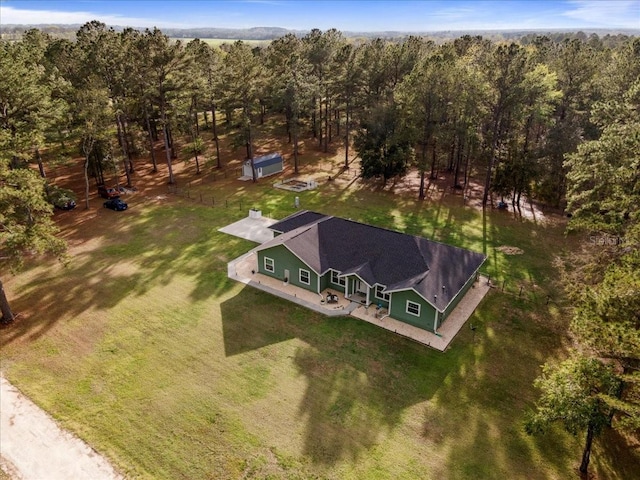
(115, 204)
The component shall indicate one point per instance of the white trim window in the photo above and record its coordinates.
(336, 280)
(269, 264)
(413, 308)
(305, 276)
(380, 295)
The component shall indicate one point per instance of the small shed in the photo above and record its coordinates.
(266, 165)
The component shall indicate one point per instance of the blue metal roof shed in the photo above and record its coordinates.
(264, 165)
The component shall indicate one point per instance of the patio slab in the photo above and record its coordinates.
(253, 229)
(244, 269)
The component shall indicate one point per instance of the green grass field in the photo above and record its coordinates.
(144, 348)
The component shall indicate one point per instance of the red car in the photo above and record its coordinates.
(106, 192)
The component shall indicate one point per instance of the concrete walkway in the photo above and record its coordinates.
(34, 447)
(244, 269)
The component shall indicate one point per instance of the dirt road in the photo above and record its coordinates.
(34, 447)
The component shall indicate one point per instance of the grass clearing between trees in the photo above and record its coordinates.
(143, 347)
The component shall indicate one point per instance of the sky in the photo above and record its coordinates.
(344, 15)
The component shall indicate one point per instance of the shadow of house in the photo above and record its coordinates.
(360, 379)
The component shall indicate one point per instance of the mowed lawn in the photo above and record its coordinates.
(144, 348)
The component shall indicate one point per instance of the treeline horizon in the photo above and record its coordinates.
(607, 35)
(515, 110)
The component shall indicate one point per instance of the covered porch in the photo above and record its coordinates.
(332, 302)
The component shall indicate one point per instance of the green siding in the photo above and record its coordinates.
(325, 281)
(285, 260)
(459, 296)
(375, 300)
(399, 310)
(331, 285)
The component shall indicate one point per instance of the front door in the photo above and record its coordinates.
(360, 291)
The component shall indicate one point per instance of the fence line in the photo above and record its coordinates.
(525, 290)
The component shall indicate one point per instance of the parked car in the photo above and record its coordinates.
(61, 198)
(106, 192)
(116, 204)
(65, 204)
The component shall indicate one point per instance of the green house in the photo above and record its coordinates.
(418, 281)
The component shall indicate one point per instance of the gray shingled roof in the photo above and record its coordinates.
(378, 256)
(296, 220)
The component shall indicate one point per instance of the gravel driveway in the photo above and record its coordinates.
(34, 447)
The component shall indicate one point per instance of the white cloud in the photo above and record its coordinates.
(611, 13)
(10, 15)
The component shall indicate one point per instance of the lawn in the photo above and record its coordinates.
(143, 347)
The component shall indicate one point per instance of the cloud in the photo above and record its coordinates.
(612, 13)
(11, 15)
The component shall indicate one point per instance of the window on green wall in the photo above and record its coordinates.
(336, 280)
(413, 308)
(269, 264)
(380, 294)
(305, 277)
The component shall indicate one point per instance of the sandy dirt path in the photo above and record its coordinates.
(34, 447)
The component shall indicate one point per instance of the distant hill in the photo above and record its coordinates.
(14, 32)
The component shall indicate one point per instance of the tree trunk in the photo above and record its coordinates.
(125, 157)
(346, 135)
(86, 181)
(327, 133)
(150, 133)
(167, 148)
(466, 167)
(61, 139)
(128, 140)
(174, 152)
(320, 131)
(87, 148)
(123, 145)
(154, 130)
(40, 164)
(452, 153)
(422, 167)
(5, 309)
(586, 453)
(195, 150)
(206, 119)
(458, 161)
(494, 147)
(433, 162)
(295, 145)
(214, 127)
(313, 118)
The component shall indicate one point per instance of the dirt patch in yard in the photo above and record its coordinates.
(507, 250)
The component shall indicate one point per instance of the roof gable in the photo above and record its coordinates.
(266, 160)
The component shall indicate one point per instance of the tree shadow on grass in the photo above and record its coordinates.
(360, 378)
(611, 449)
(491, 395)
(154, 248)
